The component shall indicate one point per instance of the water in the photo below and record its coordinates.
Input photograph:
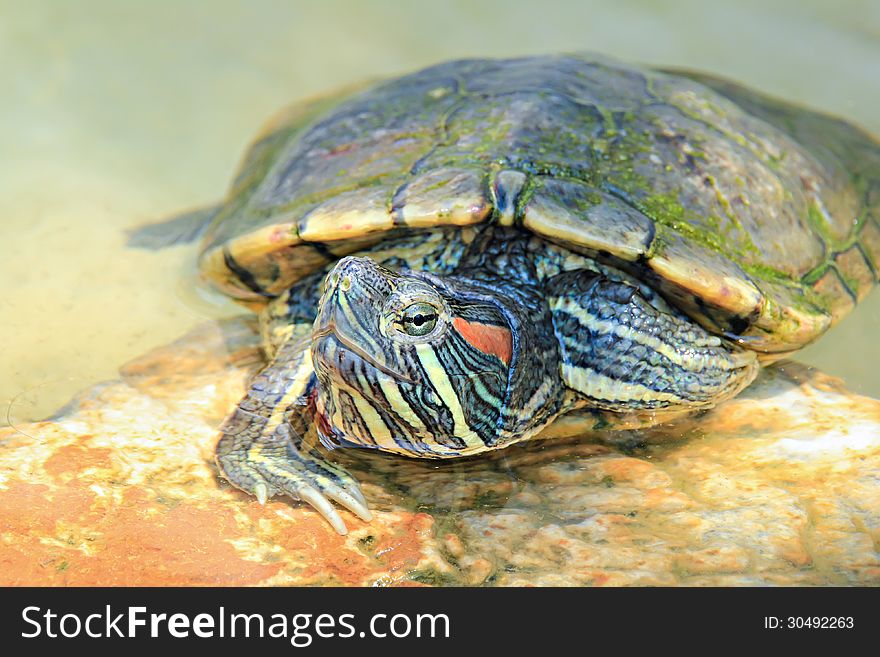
(116, 115)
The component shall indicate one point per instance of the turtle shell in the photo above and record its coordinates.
(759, 219)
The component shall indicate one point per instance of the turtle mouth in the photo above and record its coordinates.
(330, 330)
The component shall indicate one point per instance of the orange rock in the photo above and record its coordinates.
(778, 486)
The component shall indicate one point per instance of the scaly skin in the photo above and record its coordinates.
(262, 448)
(561, 236)
(445, 366)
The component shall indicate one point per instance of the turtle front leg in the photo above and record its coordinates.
(624, 350)
(261, 449)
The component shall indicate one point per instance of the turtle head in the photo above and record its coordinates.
(370, 317)
(408, 362)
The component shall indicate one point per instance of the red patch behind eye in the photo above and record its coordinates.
(489, 339)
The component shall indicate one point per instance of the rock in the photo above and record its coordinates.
(780, 486)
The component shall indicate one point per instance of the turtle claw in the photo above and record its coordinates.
(269, 466)
(332, 484)
(323, 506)
(261, 490)
(354, 503)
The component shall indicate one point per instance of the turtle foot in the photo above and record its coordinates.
(272, 465)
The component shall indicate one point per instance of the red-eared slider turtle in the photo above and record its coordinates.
(448, 262)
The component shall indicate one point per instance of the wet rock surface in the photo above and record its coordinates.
(779, 486)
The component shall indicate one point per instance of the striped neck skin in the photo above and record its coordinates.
(418, 365)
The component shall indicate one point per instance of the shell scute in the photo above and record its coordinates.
(444, 196)
(572, 213)
(757, 217)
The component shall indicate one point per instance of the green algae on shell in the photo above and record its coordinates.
(747, 202)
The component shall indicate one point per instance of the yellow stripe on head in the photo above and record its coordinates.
(440, 379)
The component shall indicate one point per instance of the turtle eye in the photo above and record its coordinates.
(418, 319)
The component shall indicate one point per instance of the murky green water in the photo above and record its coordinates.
(117, 114)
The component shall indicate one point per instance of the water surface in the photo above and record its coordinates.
(118, 114)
